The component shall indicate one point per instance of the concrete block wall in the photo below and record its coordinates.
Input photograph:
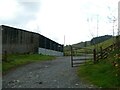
(49, 52)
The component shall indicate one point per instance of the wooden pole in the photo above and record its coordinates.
(101, 52)
(94, 52)
(71, 56)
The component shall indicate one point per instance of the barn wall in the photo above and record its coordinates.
(21, 41)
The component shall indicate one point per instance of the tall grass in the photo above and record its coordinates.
(102, 74)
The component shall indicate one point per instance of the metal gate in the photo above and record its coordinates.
(78, 57)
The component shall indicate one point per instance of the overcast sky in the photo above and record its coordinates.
(77, 20)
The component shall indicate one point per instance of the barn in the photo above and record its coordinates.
(21, 41)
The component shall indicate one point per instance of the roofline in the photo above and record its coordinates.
(28, 31)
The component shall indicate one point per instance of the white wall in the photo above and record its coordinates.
(49, 52)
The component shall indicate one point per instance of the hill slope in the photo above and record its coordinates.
(89, 48)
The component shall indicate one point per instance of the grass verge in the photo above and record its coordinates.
(102, 74)
(15, 61)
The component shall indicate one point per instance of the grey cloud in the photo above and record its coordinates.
(28, 13)
(30, 6)
(29, 10)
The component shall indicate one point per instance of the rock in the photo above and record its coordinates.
(76, 84)
(40, 82)
(29, 76)
(19, 86)
(46, 66)
(10, 82)
(30, 72)
(18, 81)
(37, 75)
(54, 80)
(91, 85)
(58, 86)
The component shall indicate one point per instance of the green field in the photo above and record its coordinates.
(90, 48)
(103, 44)
(103, 74)
(14, 61)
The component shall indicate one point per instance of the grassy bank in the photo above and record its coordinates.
(103, 74)
(89, 49)
(18, 60)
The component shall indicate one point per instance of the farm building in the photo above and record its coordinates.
(16, 40)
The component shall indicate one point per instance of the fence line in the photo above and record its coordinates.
(105, 52)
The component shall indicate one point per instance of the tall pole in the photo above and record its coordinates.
(64, 40)
(114, 19)
(97, 32)
(113, 32)
(88, 20)
(71, 55)
(64, 46)
(118, 18)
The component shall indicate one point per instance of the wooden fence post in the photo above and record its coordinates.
(94, 52)
(117, 42)
(101, 52)
(71, 55)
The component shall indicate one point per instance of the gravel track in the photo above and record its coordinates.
(47, 74)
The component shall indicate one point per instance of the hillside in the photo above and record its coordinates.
(103, 44)
(80, 47)
(82, 44)
(100, 39)
(93, 41)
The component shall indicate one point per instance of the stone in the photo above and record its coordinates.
(40, 82)
(76, 84)
(46, 66)
(54, 80)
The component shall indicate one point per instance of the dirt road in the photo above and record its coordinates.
(47, 74)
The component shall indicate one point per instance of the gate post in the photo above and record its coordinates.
(71, 55)
(94, 57)
(117, 42)
(4, 56)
